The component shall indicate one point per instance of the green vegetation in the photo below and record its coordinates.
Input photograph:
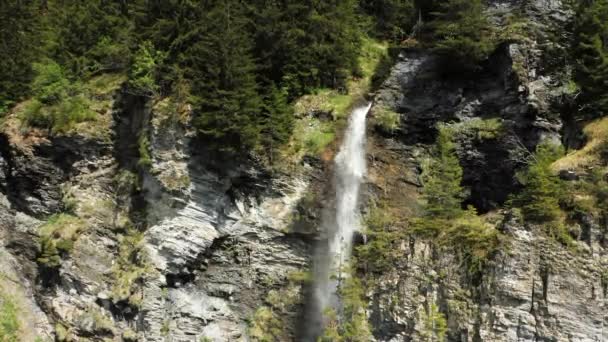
(379, 253)
(540, 197)
(591, 55)
(129, 269)
(9, 323)
(57, 238)
(462, 32)
(352, 325)
(442, 193)
(143, 143)
(143, 73)
(435, 325)
(386, 119)
(394, 19)
(442, 218)
(482, 129)
(269, 323)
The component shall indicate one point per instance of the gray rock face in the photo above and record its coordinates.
(218, 244)
(535, 289)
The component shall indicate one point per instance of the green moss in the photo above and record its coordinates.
(353, 324)
(61, 332)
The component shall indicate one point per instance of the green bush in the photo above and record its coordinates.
(352, 325)
(435, 325)
(145, 159)
(378, 253)
(442, 174)
(50, 84)
(386, 119)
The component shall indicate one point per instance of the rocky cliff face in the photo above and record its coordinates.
(534, 289)
(169, 243)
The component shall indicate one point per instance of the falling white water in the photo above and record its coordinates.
(332, 258)
(350, 169)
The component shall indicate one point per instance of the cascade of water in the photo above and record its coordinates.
(330, 259)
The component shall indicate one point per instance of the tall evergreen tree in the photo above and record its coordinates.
(19, 47)
(462, 32)
(219, 62)
(591, 53)
(276, 121)
(88, 37)
(442, 192)
(394, 18)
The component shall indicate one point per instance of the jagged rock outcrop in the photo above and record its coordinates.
(535, 289)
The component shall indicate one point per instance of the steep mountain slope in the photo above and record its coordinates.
(131, 227)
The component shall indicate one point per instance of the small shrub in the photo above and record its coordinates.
(317, 141)
(435, 325)
(57, 237)
(145, 159)
(386, 119)
(50, 84)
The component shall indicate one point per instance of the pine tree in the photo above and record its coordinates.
(591, 54)
(462, 32)
(88, 37)
(219, 62)
(19, 46)
(442, 192)
(276, 120)
(394, 18)
(539, 199)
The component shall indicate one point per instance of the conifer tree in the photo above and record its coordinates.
(591, 53)
(462, 32)
(276, 121)
(394, 18)
(442, 193)
(219, 62)
(539, 199)
(20, 46)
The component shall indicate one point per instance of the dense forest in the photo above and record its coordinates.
(241, 62)
(507, 132)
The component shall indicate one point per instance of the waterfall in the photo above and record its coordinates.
(333, 253)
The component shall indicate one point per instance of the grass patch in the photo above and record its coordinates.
(386, 120)
(64, 107)
(313, 133)
(9, 323)
(592, 153)
(129, 269)
(145, 159)
(57, 238)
